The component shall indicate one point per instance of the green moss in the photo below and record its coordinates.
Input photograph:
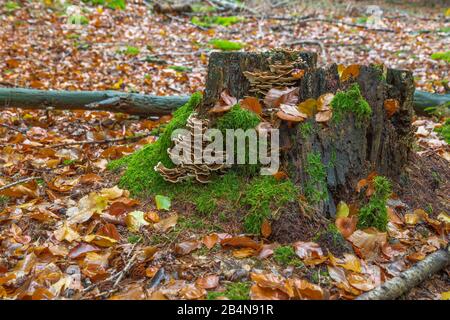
(285, 255)
(226, 45)
(11, 6)
(140, 176)
(180, 68)
(234, 291)
(306, 129)
(444, 131)
(374, 213)
(350, 101)
(441, 56)
(237, 118)
(263, 195)
(316, 186)
(130, 51)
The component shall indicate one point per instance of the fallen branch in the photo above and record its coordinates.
(135, 103)
(114, 101)
(12, 184)
(409, 279)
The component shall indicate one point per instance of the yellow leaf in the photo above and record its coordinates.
(66, 233)
(135, 220)
(445, 295)
(309, 107)
(99, 240)
(352, 71)
(412, 218)
(117, 85)
(443, 217)
(342, 210)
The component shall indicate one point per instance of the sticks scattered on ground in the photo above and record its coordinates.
(132, 138)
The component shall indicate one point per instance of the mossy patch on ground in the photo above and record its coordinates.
(374, 213)
(209, 21)
(234, 291)
(444, 131)
(441, 56)
(226, 45)
(350, 101)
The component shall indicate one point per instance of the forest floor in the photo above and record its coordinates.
(112, 251)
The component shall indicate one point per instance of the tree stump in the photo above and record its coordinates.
(348, 149)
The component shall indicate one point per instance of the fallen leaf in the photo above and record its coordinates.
(306, 290)
(351, 72)
(349, 262)
(162, 202)
(391, 106)
(243, 253)
(309, 252)
(101, 241)
(266, 228)
(191, 292)
(252, 104)
(210, 240)
(81, 249)
(360, 281)
(240, 241)
(258, 293)
(308, 107)
(369, 242)
(135, 220)
(346, 225)
(272, 281)
(65, 232)
(166, 224)
(342, 210)
(187, 247)
(208, 282)
(324, 116)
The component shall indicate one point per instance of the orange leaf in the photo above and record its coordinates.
(109, 230)
(208, 282)
(243, 253)
(266, 228)
(240, 241)
(258, 293)
(352, 71)
(210, 240)
(272, 281)
(252, 104)
(391, 106)
(346, 225)
(307, 290)
(280, 175)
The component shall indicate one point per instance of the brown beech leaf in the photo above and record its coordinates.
(280, 175)
(391, 106)
(192, 292)
(369, 242)
(346, 225)
(152, 216)
(267, 250)
(187, 247)
(349, 262)
(90, 178)
(208, 282)
(167, 223)
(275, 97)
(266, 228)
(133, 292)
(225, 103)
(243, 253)
(81, 249)
(352, 71)
(272, 281)
(309, 252)
(109, 230)
(361, 282)
(290, 113)
(306, 290)
(240, 241)
(252, 104)
(210, 240)
(338, 276)
(259, 293)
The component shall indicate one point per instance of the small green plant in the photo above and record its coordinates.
(361, 20)
(444, 131)
(374, 213)
(441, 56)
(3, 201)
(233, 291)
(11, 6)
(68, 162)
(226, 45)
(350, 101)
(444, 30)
(77, 19)
(316, 186)
(134, 238)
(130, 51)
(112, 4)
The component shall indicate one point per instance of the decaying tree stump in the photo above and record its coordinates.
(348, 149)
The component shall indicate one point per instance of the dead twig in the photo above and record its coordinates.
(12, 184)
